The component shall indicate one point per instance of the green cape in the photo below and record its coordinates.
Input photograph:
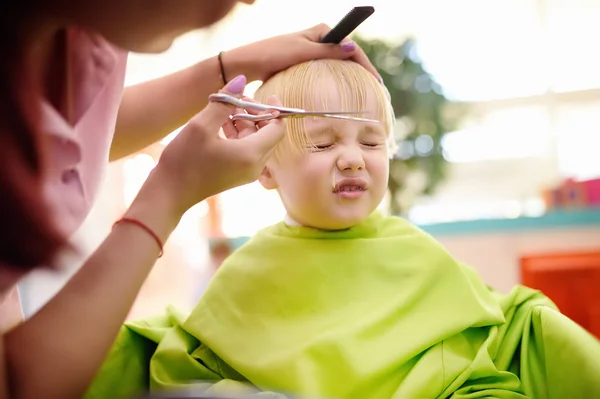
(377, 311)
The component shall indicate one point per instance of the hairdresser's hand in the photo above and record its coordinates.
(262, 59)
(199, 163)
(242, 128)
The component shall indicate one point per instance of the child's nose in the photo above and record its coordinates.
(351, 160)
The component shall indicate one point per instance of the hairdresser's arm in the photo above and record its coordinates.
(57, 352)
(151, 110)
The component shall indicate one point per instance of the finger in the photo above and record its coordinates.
(272, 100)
(261, 124)
(265, 139)
(243, 126)
(215, 114)
(230, 130)
(317, 32)
(248, 131)
(251, 110)
(250, 100)
(346, 49)
(270, 133)
(360, 57)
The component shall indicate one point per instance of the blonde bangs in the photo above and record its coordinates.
(310, 85)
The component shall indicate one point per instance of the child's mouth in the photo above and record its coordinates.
(350, 188)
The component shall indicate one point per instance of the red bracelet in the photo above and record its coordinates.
(148, 230)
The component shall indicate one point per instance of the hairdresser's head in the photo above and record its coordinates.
(28, 237)
(330, 173)
(136, 25)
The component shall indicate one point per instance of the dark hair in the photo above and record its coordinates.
(28, 236)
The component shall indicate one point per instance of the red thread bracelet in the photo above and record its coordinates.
(148, 230)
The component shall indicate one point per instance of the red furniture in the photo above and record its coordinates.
(571, 281)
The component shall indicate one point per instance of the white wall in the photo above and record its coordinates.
(496, 256)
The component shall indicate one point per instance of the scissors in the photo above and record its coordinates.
(284, 112)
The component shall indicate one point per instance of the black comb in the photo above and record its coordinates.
(355, 17)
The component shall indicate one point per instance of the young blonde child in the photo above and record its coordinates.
(340, 301)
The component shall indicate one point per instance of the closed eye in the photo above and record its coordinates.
(321, 147)
(371, 144)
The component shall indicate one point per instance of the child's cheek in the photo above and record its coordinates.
(320, 170)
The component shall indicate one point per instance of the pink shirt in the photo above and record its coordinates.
(79, 151)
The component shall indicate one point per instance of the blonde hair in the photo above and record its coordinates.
(296, 87)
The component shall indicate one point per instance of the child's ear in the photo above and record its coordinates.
(267, 180)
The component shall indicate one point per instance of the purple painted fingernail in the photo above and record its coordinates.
(379, 78)
(236, 85)
(348, 46)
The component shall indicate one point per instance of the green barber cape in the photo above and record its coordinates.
(378, 311)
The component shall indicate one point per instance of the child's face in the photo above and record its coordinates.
(341, 181)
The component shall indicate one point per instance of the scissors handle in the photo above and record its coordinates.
(238, 102)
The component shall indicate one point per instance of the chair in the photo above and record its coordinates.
(571, 280)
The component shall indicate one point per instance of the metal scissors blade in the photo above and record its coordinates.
(266, 117)
(284, 112)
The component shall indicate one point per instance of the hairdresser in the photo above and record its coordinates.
(64, 115)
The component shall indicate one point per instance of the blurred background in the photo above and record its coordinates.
(498, 107)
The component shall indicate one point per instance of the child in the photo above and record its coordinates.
(341, 301)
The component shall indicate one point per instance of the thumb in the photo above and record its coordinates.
(215, 114)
